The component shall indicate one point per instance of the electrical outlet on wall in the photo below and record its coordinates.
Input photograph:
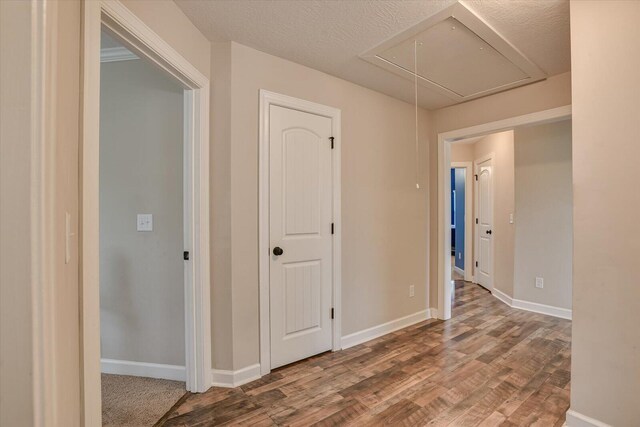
(539, 282)
(459, 255)
(412, 290)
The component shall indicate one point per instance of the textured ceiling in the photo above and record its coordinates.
(330, 35)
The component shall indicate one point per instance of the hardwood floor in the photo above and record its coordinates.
(490, 365)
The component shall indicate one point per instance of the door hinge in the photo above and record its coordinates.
(332, 228)
(331, 139)
(476, 175)
(185, 255)
(476, 220)
(332, 312)
(476, 263)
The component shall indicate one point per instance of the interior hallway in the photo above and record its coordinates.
(489, 365)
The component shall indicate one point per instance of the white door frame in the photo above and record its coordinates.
(138, 37)
(476, 233)
(267, 99)
(468, 218)
(444, 187)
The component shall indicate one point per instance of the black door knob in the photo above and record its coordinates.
(277, 251)
(488, 231)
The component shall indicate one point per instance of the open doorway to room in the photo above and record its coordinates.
(461, 216)
(520, 214)
(145, 216)
(142, 282)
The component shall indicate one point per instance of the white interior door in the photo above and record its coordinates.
(484, 226)
(300, 216)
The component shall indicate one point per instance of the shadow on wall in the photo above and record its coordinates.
(116, 298)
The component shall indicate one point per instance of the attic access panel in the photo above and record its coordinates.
(458, 55)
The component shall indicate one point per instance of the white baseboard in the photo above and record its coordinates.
(230, 379)
(502, 297)
(458, 270)
(563, 313)
(576, 419)
(143, 369)
(385, 328)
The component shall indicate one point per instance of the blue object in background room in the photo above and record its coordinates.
(458, 177)
(453, 211)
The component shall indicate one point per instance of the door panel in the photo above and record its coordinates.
(484, 269)
(302, 286)
(300, 215)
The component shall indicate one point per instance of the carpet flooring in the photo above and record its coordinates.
(136, 401)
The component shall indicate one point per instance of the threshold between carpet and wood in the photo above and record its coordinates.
(129, 401)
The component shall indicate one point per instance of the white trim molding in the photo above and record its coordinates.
(385, 328)
(230, 379)
(502, 297)
(576, 419)
(549, 310)
(143, 369)
(267, 99)
(444, 197)
(115, 54)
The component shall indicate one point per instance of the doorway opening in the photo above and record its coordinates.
(187, 173)
(461, 217)
(142, 281)
(485, 189)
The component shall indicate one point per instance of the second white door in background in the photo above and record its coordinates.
(484, 226)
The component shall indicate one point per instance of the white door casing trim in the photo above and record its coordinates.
(444, 187)
(476, 233)
(42, 141)
(267, 99)
(145, 43)
(468, 218)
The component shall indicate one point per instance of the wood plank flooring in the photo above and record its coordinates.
(490, 365)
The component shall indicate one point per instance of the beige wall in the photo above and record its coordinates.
(551, 93)
(384, 218)
(543, 214)
(141, 273)
(605, 365)
(501, 146)
(19, 187)
(67, 300)
(16, 370)
(168, 20)
(220, 166)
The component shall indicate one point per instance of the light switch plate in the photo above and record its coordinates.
(145, 222)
